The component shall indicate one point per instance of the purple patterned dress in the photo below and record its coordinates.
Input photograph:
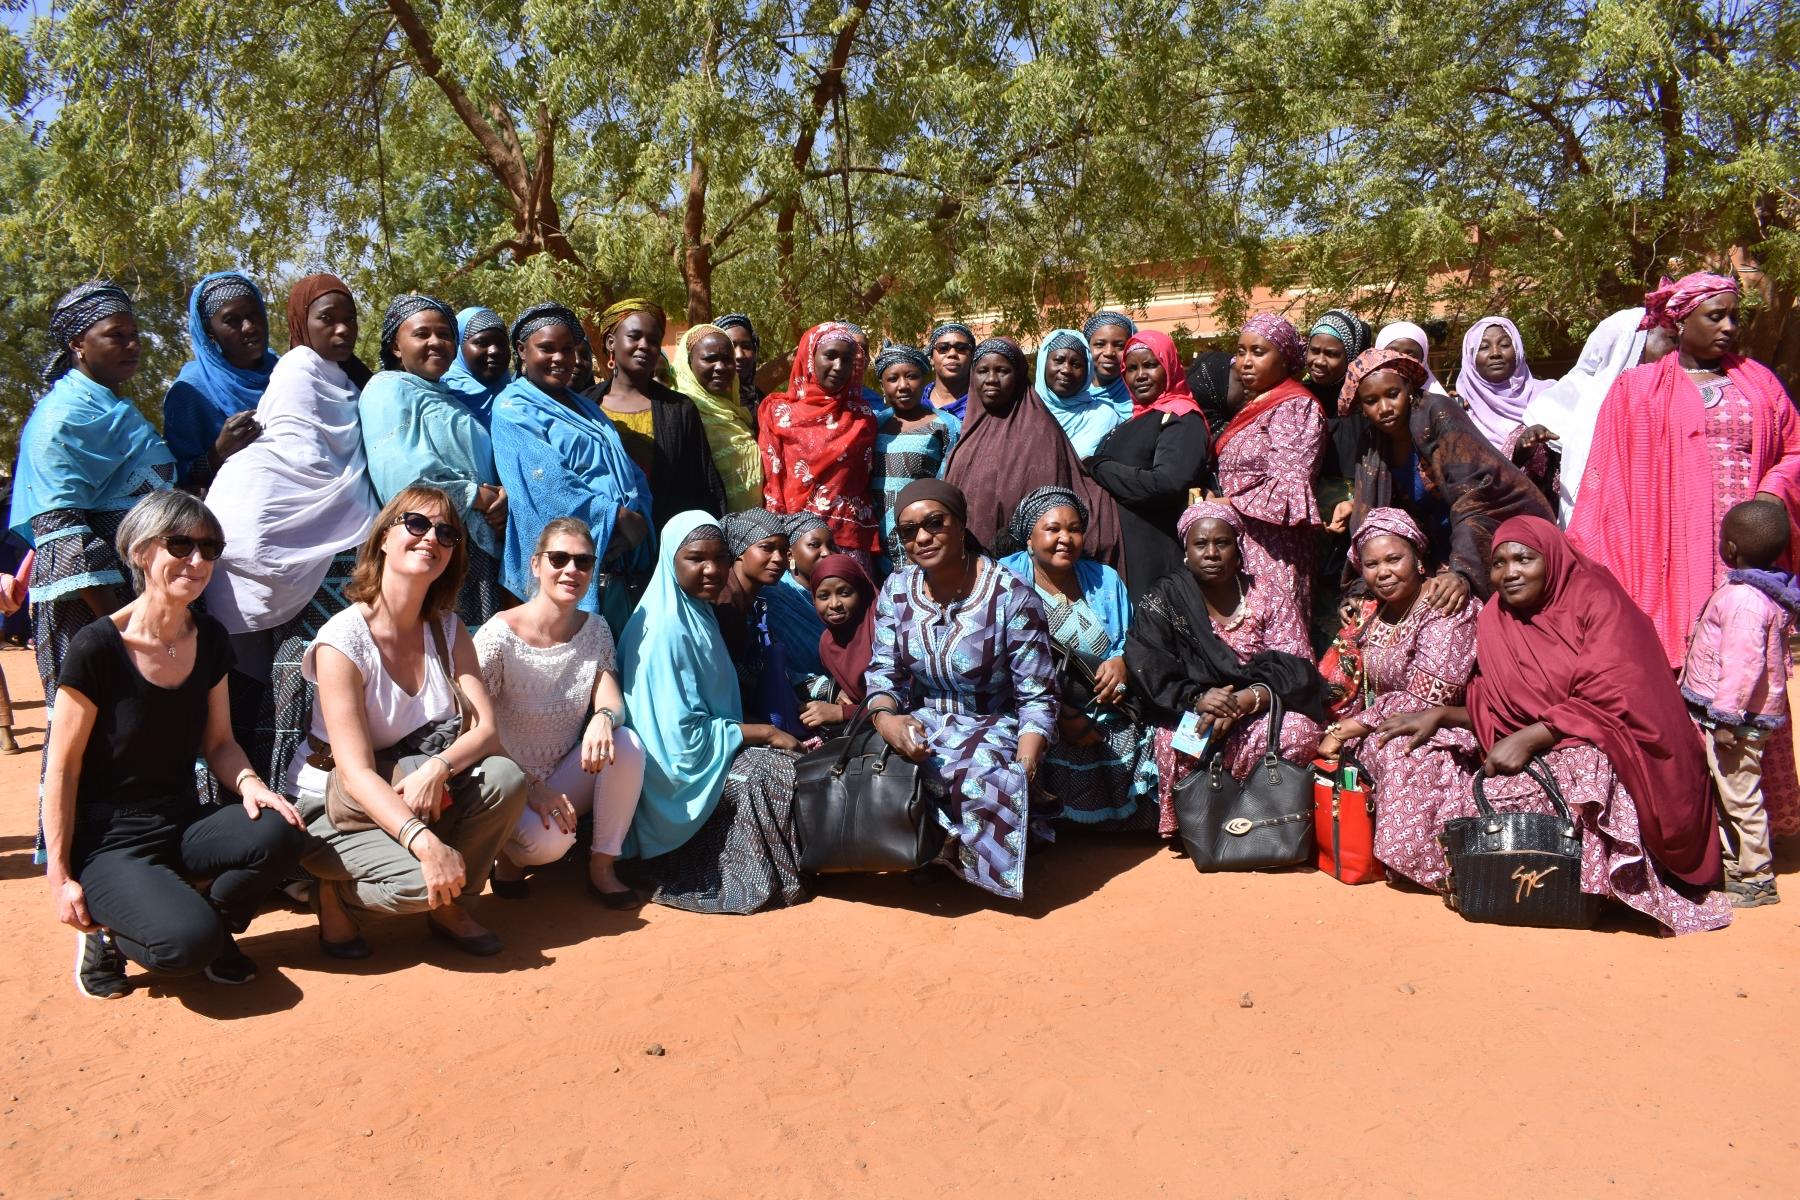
(1266, 472)
(1420, 662)
(1268, 619)
(977, 675)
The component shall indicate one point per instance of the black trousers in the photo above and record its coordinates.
(135, 867)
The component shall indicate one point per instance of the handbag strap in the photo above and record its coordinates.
(465, 711)
(1276, 713)
(1543, 776)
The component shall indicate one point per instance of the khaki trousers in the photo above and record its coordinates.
(1736, 764)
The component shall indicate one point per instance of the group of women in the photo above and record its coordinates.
(514, 586)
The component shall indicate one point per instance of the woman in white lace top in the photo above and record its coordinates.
(552, 673)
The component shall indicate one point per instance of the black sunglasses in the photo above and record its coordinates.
(908, 531)
(953, 348)
(180, 545)
(562, 558)
(418, 524)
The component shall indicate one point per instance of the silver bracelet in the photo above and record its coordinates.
(445, 761)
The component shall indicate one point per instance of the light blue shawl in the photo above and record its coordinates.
(209, 389)
(1091, 413)
(562, 460)
(1101, 587)
(681, 692)
(459, 379)
(415, 431)
(83, 447)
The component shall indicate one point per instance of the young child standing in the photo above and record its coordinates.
(1735, 680)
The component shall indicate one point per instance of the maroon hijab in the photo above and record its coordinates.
(845, 650)
(1586, 663)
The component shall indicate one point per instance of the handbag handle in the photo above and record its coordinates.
(1276, 713)
(863, 720)
(465, 711)
(1539, 770)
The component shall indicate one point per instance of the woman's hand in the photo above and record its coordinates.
(423, 789)
(1447, 591)
(1530, 439)
(239, 430)
(1217, 702)
(597, 749)
(553, 809)
(71, 904)
(905, 734)
(490, 502)
(1418, 727)
(1109, 681)
(819, 713)
(441, 867)
(630, 525)
(1512, 752)
(1031, 753)
(769, 735)
(1340, 517)
(1330, 746)
(257, 795)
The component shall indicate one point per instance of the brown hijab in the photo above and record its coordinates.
(304, 294)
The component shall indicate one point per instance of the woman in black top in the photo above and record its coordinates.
(1151, 461)
(143, 695)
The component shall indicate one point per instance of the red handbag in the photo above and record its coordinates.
(1344, 823)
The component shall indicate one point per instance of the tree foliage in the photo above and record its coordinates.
(887, 160)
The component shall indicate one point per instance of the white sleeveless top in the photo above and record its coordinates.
(541, 694)
(392, 711)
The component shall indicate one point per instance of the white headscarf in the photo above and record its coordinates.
(1394, 331)
(1569, 407)
(291, 500)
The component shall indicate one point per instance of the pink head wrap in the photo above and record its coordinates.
(1674, 299)
(1385, 522)
(1379, 359)
(1283, 336)
(1178, 397)
(1209, 510)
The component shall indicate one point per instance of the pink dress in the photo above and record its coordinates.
(1266, 472)
(1423, 661)
(1267, 620)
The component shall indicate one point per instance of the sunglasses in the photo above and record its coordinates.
(418, 524)
(180, 545)
(908, 531)
(953, 348)
(559, 559)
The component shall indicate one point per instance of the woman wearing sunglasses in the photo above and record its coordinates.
(404, 723)
(554, 679)
(142, 695)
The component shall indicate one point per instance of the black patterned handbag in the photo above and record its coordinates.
(1517, 868)
(860, 807)
(1265, 821)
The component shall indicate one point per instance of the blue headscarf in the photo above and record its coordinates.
(459, 379)
(84, 447)
(1101, 588)
(1090, 414)
(415, 431)
(681, 694)
(209, 389)
(562, 460)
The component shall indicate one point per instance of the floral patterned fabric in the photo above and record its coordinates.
(1267, 473)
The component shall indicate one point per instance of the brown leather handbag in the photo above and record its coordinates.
(401, 759)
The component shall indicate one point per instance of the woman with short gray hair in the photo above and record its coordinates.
(143, 694)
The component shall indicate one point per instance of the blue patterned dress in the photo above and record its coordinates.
(901, 458)
(977, 675)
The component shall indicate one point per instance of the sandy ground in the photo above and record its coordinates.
(1131, 1029)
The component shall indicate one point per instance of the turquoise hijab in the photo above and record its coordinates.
(1092, 412)
(460, 380)
(681, 694)
(84, 447)
(415, 431)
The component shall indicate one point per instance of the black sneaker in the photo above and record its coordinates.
(99, 967)
(232, 967)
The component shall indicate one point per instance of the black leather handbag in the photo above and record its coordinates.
(1078, 679)
(859, 807)
(1265, 821)
(1519, 868)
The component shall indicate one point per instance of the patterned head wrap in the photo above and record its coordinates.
(1062, 341)
(744, 529)
(1384, 358)
(1000, 345)
(402, 310)
(891, 354)
(540, 315)
(949, 327)
(1675, 299)
(1346, 327)
(1032, 508)
(1209, 510)
(610, 319)
(707, 532)
(799, 524)
(483, 320)
(221, 290)
(75, 314)
(1281, 334)
(732, 321)
(856, 330)
(1105, 317)
(1385, 522)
